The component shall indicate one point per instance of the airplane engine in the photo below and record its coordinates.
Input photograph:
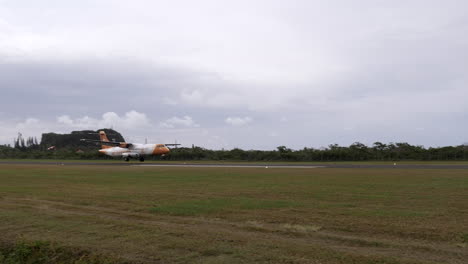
(130, 155)
(124, 145)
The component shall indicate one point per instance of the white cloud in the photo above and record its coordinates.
(29, 127)
(193, 97)
(175, 122)
(238, 121)
(134, 119)
(28, 123)
(131, 120)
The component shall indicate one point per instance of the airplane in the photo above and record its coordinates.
(129, 150)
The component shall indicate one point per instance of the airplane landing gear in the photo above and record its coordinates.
(142, 159)
(127, 159)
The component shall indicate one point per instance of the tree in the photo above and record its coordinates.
(379, 150)
(283, 149)
(359, 151)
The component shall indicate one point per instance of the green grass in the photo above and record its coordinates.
(239, 215)
(200, 207)
(117, 160)
(464, 237)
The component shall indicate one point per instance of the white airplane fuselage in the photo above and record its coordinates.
(136, 150)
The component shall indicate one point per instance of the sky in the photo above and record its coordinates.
(251, 74)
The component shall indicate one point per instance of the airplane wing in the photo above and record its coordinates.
(171, 145)
(113, 143)
(100, 141)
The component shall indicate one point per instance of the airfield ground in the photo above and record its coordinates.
(239, 215)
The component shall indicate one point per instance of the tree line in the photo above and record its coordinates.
(21, 143)
(354, 152)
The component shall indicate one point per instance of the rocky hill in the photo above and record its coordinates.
(72, 140)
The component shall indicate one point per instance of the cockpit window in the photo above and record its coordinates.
(160, 145)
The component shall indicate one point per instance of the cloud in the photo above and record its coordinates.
(27, 127)
(238, 121)
(131, 120)
(194, 97)
(65, 120)
(169, 101)
(29, 122)
(176, 122)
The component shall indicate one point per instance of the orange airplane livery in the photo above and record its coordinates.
(129, 150)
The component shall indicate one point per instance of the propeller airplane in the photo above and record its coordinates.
(129, 151)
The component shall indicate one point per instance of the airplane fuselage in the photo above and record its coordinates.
(136, 150)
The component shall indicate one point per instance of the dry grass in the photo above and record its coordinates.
(240, 215)
(301, 228)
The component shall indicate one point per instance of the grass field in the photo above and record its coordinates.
(157, 161)
(239, 215)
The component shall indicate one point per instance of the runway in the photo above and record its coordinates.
(244, 165)
(230, 166)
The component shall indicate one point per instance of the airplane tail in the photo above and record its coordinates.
(103, 137)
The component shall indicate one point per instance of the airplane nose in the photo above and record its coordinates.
(102, 151)
(166, 150)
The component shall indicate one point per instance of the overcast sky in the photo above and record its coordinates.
(253, 74)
